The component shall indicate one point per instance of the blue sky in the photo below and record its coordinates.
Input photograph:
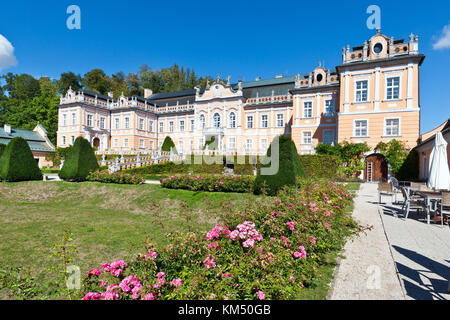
(244, 39)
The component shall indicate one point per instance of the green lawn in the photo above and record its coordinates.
(107, 221)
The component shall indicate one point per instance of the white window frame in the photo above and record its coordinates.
(125, 143)
(181, 146)
(249, 122)
(248, 146)
(192, 124)
(232, 143)
(332, 113)
(74, 118)
(304, 137)
(171, 126)
(127, 123)
(393, 76)
(264, 144)
(116, 123)
(91, 117)
(63, 142)
(356, 90)
(216, 120)
(385, 127)
(116, 143)
(181, 125)
(202, 120)
(72, 140)
(305, 115)
(141, 143)
(150, 126)
(102, 123)
(141, 124)
(367, 128)
(232, 120)
(64, 119)
(280, 125)
(266, 125)
(161, 127)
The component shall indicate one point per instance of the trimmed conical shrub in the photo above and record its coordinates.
(17, 162)
(79, 162)
(2, 148)
(168, 144)
(289, 167)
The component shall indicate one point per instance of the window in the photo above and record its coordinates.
(329, 107)
(248, 144)
(280, 120)
(392, 127)
(202, 121)
(264, 121)
(181, 125)
(216, 120)
(64, 122)
(307, 137)
(102, 123)
(200, 143)
(232, 120)
(90, 118)
(161, 127)
(127, 123)
(232, 143)
(393, 88)
(116, 143)
(249, 122)
(180, 146)
(150, 126)
(361, 91)
(307, 110)
(72, 140)
(125, 142)
(360, 128)
(191, 145)
(328, 136)
(171, 126)
(141, 143)
(264, 144)
(116, 120)
(151, 145)
(141, 124)
(192, 124)
(63, 140)
(74, 118)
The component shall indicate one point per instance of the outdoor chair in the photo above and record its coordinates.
(411, 204)
(396, 187)
(445, 206)
(386, 189)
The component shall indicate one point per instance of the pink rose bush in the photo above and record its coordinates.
(250, 254)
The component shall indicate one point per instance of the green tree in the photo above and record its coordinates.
(69, 79)
(168, 145)
(97, 81)
(290, 167)
(17, 162)
(79, 162)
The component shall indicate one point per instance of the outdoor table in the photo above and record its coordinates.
(430, 197)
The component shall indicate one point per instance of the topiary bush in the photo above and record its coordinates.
(2, 148)
(290, 167)
(80, 161)
(168, 145)
(17, 162)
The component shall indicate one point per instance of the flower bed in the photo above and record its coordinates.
(209, 183)
(117, 177)
(270, 250)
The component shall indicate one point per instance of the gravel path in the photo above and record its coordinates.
(368, 270)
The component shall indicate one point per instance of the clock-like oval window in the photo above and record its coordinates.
(319, 77)
(378, 48)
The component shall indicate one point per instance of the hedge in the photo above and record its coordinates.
(79, 162)
(209, 183)
(289, 168)
(2, 148)
(320, 166)
(17, 162)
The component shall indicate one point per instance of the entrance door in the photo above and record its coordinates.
(375, 168)
(96, 143)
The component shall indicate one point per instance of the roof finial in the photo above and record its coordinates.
(378, 30)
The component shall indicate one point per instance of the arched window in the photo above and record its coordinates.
(216, 121)
(202, 121)
(232, 120)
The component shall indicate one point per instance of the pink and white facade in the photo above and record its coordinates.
(372, 96)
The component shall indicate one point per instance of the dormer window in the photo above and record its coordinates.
(319, 77)
(377, 48)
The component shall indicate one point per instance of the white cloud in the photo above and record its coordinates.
(444, 40)
(7, 58)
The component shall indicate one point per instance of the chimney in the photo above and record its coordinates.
(258, 78)
(147, 93)
(111, 94)
(7, 128)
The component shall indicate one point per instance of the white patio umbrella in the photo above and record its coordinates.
(439, 174)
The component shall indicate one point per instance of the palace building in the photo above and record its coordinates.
(372, 96)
